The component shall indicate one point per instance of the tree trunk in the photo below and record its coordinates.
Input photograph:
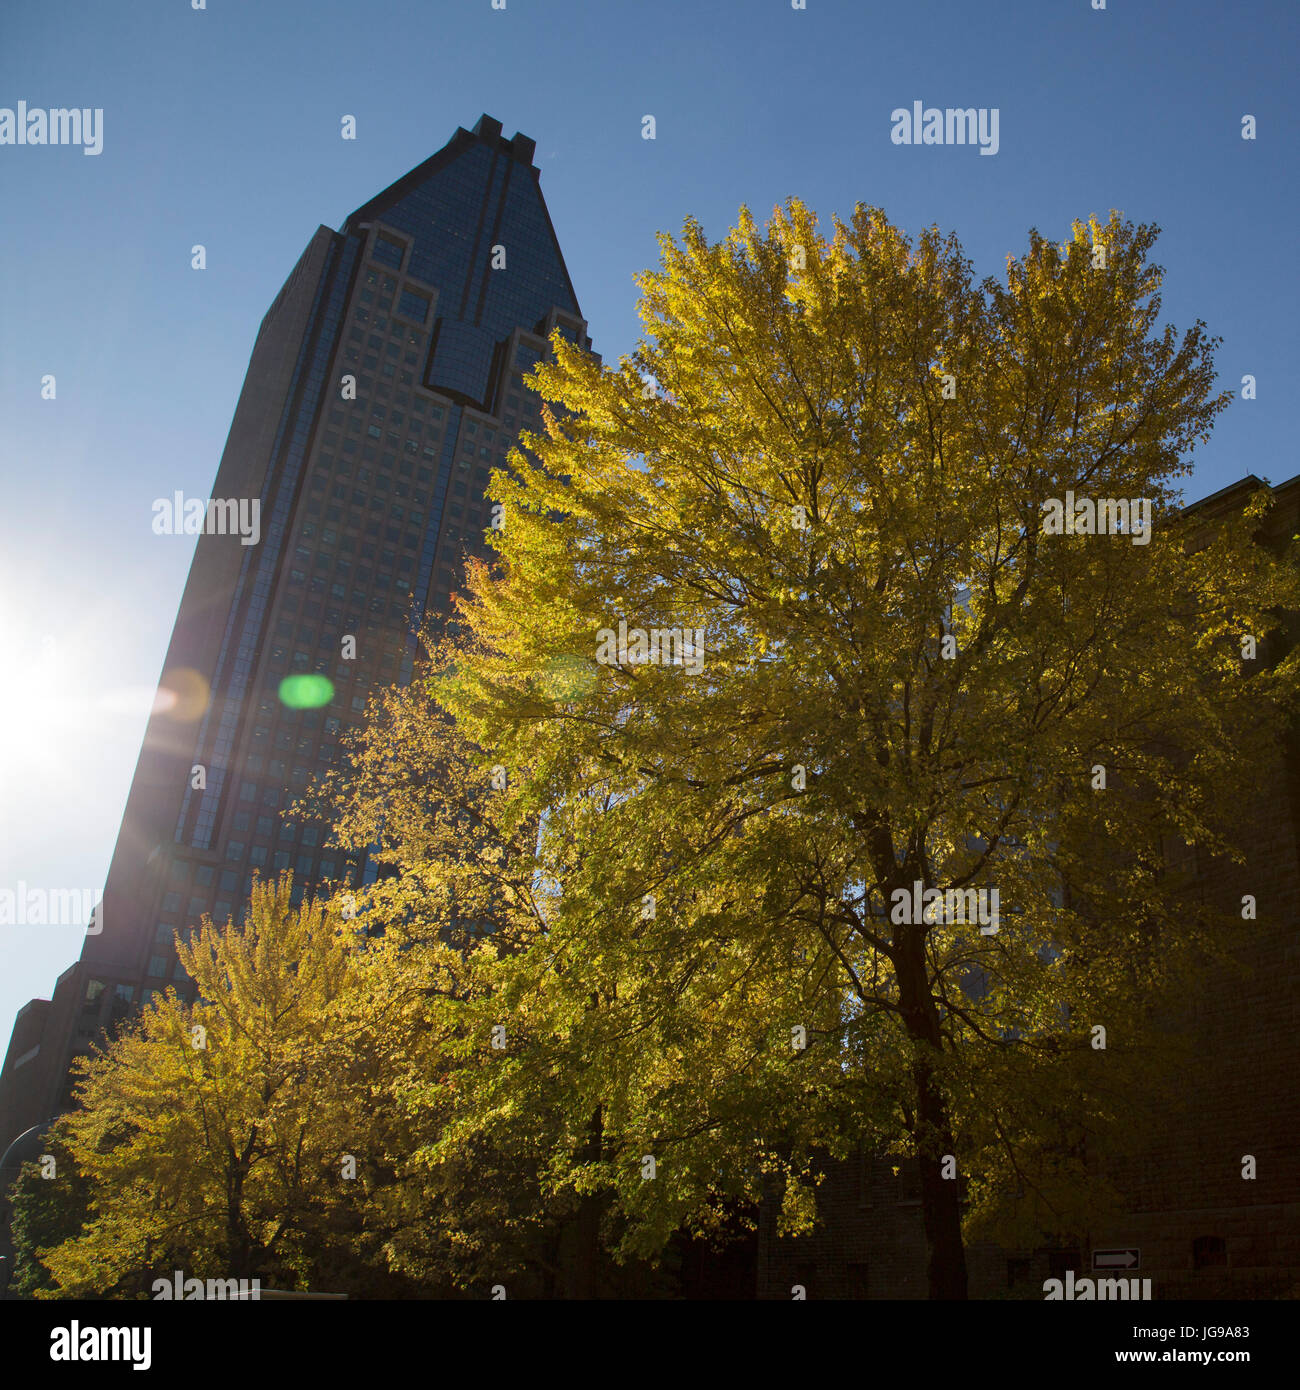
(940, 1196)
(239, 1239)
(586, 1247)
(584, 1282)
(932, 1131)
(239, 1242)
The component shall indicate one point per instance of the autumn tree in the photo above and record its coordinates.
(214, 1137)
(48, 1207)
(781, 641)
(479, 1095)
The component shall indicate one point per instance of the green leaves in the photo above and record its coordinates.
(918, 422)
(613, 891)
(212, 1136)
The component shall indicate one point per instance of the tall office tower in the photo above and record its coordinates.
(384, 385)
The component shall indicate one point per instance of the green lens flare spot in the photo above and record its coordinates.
(306, 691)
(568, 678)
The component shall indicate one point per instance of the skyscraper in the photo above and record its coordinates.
(384, 385)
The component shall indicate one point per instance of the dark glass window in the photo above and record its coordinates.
(413, 306)
(387, 252)
(1209, 1251)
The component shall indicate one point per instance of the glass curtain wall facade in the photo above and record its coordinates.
(429, 304)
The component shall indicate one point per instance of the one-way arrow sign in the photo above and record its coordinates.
(1116, 1259)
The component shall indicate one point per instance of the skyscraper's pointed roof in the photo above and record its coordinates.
(498, 178)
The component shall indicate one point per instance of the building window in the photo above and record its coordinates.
(387, 252)
(1209, 1252)
(413, 306)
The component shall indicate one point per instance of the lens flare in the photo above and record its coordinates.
(568, 677)
(307, 691)
(182, 695)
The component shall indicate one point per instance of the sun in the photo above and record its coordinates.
(35, 699)
(50, 703)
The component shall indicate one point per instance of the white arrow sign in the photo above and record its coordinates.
(1116, 1259)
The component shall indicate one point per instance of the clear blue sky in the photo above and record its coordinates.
(222, 127)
